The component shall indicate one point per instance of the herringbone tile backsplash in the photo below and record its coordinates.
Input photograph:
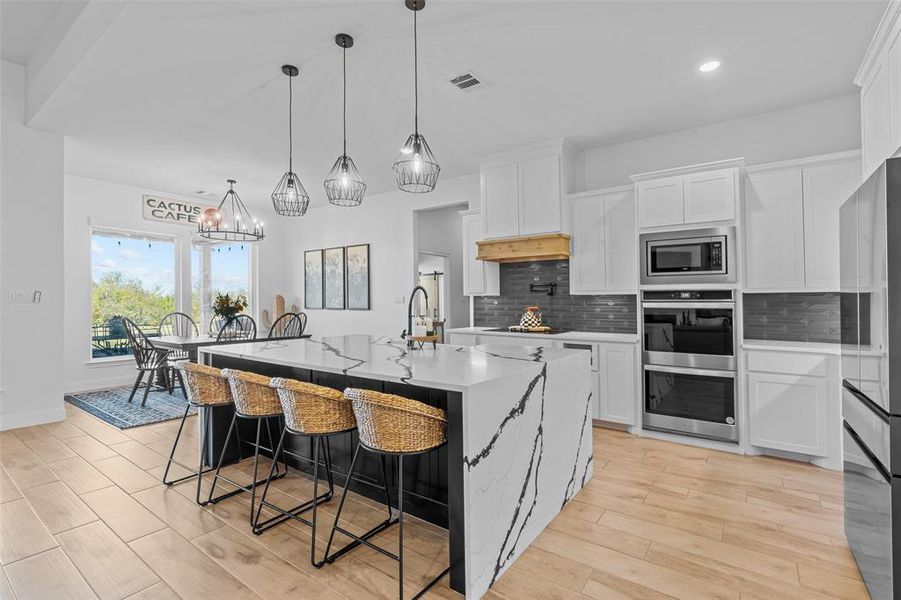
(609, 313)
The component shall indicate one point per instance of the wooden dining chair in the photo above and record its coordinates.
(178, 323)
(242, 327)
(150, 361)
(289, 325)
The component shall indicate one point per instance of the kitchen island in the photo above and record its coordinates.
(519, 433)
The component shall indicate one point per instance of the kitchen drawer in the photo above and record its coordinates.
(789, 363)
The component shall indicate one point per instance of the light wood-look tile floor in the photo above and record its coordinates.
(84, 515)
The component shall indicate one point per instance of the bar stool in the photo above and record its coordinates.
(253, 399)
(205, 387)
(315, 412)
(390, 426)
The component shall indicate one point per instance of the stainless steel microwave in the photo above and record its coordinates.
(690, 256)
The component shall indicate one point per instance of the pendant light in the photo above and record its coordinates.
(230, 221)
(290, 199)
(415, 168)
(343, 184)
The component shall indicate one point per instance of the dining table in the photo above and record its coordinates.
(190, 343)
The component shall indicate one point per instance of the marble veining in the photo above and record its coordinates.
(445, 367)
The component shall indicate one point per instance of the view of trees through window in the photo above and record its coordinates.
(217, 269)
(132, 277)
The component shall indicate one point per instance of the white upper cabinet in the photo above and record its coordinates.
(660, 202)
(791, 222)
(604, 242)
(710, 196)
(705, 193)
(774, 225)
(480, 278)
(523, 192)
(539, 195)
(875, 112)
(879, 79)
(587, 258)
(825, 188)
(621, 242)
(500, 201)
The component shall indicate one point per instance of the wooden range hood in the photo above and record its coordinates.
(550, 246)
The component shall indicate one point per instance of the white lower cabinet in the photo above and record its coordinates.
(617, 398)
(794, 402)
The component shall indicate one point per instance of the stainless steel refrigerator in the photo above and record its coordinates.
(870, 265)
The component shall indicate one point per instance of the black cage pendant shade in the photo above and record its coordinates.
(230, 221)
(290, 198)
(343, 184)
(415, 168)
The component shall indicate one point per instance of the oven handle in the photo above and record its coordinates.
(726, 305)
(691, 371)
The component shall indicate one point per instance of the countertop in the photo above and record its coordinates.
(445, 367)
(784, 346)
(569, 336)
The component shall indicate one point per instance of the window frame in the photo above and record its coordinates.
(252, 276)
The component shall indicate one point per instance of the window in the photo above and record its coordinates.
(218, 269)
(133, 275)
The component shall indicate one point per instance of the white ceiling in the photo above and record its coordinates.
(179, 96)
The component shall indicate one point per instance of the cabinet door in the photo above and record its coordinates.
(710, 196)
(473, 269)
(875, 109)
(825, 188)
(894, 62)
(659, 202)
(619, 400)
(774, 227)
(539, 195)
(620, 243)
(789, 412)
(500, 202)
(586, 263)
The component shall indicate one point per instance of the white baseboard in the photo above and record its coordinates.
(99, 383)
(33, 417)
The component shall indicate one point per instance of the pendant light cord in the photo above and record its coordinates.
(290, 124)
(415, 77)
(344, 109)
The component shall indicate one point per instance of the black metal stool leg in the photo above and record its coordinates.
(382, 461)
(316, 446)
(228, 435)
(281, 442)
(174, 445)
(350, 473)
(400, 525)
(256, 462)
(200, 470)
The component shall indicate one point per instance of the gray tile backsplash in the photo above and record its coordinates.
(610, 313)
(795, 317)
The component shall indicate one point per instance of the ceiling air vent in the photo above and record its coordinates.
(466, 82)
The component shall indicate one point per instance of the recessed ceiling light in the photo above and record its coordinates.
(708, 66)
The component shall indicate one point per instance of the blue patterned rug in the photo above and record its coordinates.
(112, 406)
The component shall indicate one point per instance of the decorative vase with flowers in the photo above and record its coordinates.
(227, 307)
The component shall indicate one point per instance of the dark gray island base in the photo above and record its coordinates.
(496, 399)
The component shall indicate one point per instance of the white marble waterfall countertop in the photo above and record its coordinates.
(446, 367)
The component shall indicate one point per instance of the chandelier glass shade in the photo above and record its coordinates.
(343, 184)
(230, 221)
(290, 198)
(415, 168)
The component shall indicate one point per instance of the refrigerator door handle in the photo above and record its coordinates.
(880, 412)
(869, 454)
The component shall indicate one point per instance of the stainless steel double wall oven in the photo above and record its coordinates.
(689, 362)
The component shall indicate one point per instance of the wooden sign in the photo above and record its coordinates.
(167, 210)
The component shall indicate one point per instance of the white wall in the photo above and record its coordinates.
(31, 256)
(819, 128)
(386, 222)
(92, 202)
(440, 232)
